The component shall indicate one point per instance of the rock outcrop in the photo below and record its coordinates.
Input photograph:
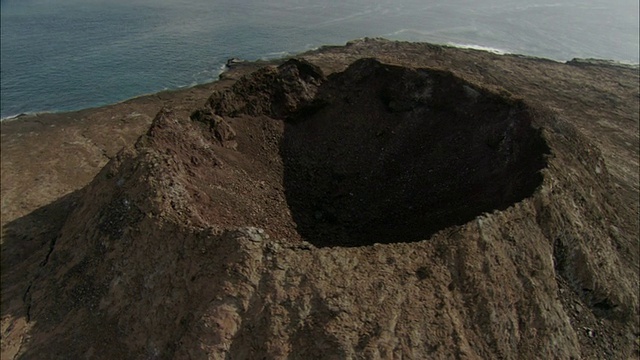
(378, 212)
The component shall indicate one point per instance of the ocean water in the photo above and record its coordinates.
(59, 55)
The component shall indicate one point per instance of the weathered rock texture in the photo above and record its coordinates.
(409, 210)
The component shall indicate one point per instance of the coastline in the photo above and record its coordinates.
(131, 117)
(53, 165)
(265, 60)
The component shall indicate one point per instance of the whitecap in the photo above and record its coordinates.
(275, 55)
(24, 114)
(479, 47)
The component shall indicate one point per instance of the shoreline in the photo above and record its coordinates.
(60, 198)
(471, 64)
(234, 62)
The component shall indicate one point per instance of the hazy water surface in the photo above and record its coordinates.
(72, 54)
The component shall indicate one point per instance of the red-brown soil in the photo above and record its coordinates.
(432, 203)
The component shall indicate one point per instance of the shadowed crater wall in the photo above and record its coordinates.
(390, 154)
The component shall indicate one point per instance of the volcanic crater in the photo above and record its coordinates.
(190, 243)
(386, 154)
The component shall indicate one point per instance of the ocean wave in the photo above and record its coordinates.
(432, 37)
(479, 47)
(24, 114)
(275, 55)
(409, 31)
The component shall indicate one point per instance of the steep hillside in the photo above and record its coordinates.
(317, 210)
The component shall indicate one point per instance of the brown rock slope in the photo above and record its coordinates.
(378, 212)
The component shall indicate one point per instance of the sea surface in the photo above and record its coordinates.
(59, 55)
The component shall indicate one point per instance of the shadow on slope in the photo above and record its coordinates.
(27, 243)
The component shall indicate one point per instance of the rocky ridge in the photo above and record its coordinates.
(379, 211)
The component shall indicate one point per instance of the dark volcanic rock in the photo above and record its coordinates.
(451, 204)
(362, 171)
(273, 91)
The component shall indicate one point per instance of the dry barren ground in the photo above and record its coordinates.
(431, 203)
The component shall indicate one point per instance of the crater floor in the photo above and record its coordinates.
(393, 154)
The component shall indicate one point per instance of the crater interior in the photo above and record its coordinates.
(394, 154)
